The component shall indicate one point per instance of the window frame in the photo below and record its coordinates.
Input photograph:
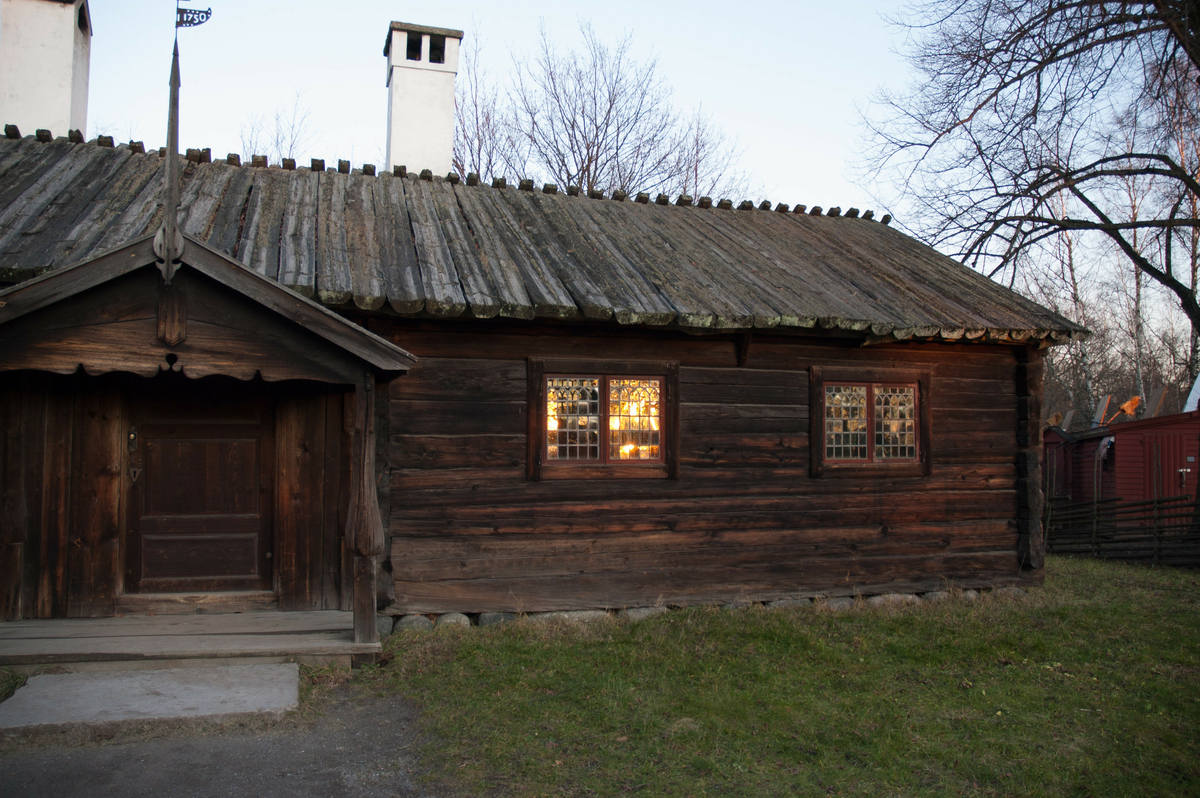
(539, 468)
(821, 467)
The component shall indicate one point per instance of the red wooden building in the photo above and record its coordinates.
(1154, 458)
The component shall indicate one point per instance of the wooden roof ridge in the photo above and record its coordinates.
(400, 243)
(55, 286)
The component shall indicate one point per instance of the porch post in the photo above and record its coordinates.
(364, 526)
(365, 630)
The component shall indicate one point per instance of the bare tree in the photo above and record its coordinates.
(283, 136)
(480, 130)
(1138, 189)
(1110, 361)
(1181, 131)
(125, 132)
(253, 136)
(596, 118)
(706, 161)
(1071, 369)
(1028, 117)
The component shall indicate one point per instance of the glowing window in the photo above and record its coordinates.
(604, 419)
(573, 418)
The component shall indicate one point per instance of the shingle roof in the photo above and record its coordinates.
(442, 248)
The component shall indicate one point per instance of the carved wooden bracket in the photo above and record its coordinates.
(172, 313)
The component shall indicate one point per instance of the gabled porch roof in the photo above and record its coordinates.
(107, 314)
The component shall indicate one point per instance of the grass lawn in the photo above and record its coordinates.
(1088, 686)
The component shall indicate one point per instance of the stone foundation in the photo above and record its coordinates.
(830, 603)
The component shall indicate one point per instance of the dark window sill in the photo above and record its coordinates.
(829, 470)
(631, 471)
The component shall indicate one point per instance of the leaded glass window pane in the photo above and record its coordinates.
(633, 419)
(895, 423)
(573, 418)
(846, 435)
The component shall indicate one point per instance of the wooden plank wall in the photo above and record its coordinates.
(1133, 479)
(744, 520)
(312, 434)
(60, 539)
(64, 436)
(14, 501)
(94, 536)
(1084, 472)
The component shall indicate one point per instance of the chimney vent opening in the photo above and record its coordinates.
(437, 49)
(413, 53)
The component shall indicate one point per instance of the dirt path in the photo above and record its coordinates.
(355, 744)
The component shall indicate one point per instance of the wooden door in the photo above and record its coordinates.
(201, 490)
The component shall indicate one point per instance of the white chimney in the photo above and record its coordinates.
(422, 63)
(45, 50)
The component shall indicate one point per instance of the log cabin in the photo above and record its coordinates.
(552, 399)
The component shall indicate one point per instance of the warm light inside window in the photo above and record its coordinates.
(633, 418)
(573, 418)
(625, 428)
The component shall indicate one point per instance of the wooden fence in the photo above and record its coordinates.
(1163, 531)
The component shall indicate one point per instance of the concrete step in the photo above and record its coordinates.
(53, 702)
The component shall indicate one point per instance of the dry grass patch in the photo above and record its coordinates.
(10, 680)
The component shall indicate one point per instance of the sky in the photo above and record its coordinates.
(786, 80)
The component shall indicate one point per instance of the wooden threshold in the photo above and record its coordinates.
(303, 636)
(183, 603)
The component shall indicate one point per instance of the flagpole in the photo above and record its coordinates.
(172, 240)
(168, 242)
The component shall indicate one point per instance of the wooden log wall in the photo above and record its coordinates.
(743, 521)
(1031, 545)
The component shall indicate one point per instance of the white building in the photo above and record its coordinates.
(45, 47)
(422, 64)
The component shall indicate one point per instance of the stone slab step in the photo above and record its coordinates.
(55, 701)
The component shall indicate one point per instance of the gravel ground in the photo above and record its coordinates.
(350, 743)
